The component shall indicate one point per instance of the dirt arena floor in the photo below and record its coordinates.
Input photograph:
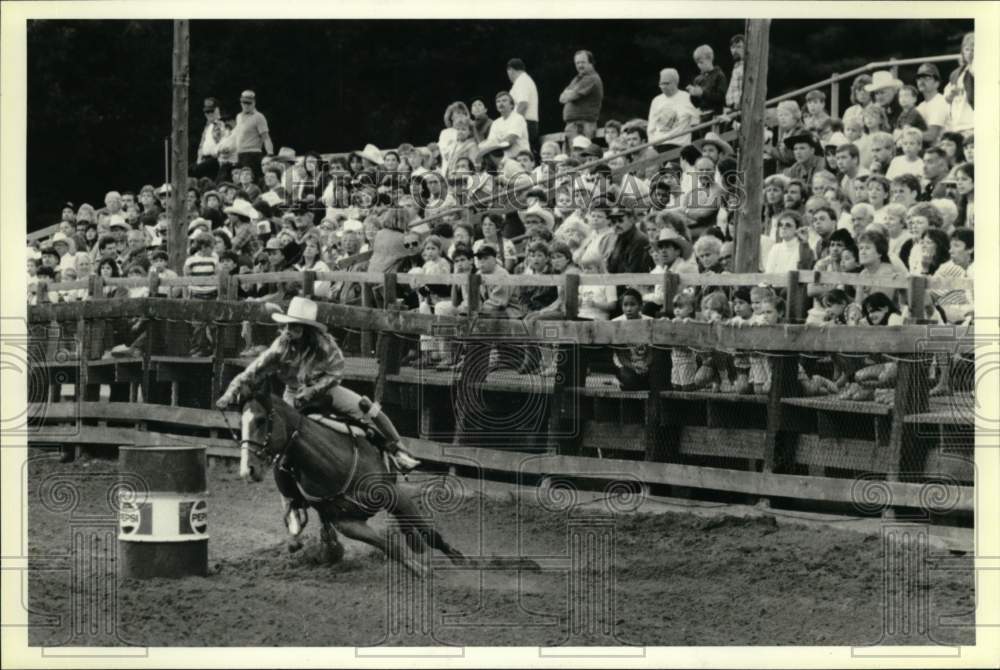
(663, 579)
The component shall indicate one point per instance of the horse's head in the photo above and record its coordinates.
(255, 440)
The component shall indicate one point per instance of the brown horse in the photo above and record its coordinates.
(340, 474)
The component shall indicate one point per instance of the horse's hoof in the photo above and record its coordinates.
(293, 545)
(333, 554)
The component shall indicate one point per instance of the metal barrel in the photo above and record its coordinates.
(163, 512)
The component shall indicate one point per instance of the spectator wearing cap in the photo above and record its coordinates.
(960, 91)
(934, 109)
(582, 98)
(672, 111)
(207, 159)
(525, 95)
(252, 135)
(708, 90)
(630, 252)
(510, 130)
(734, 93)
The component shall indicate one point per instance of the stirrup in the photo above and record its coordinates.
(403, 461)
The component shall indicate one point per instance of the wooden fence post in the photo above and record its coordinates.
(911, 395)
(308, 283)
(571, 374)
(657, 448)
(784, 384)
(367, 300)
(387, 346)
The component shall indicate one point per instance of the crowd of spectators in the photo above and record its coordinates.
(885, 189)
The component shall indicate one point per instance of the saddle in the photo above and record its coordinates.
(321, 410)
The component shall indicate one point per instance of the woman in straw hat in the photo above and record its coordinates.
(306, 358)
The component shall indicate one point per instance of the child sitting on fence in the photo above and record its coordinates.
(767, 312)
(879, 372)
(742, 313)
(683, 363)
(714, 365)
(632, 361)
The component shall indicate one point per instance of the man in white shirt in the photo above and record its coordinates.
(207, 162)
(510, 127)
(934, 108)
(670, 112)
(525, 95)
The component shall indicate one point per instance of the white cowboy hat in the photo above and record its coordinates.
(199, 222)
(302, 311)
(371, 153)
(668, 234)
(716, 141)
(353, 225)
(60, 237)
(581, 142)
(118, 221)
(883, 79)
(540, 212)
(837, 140)
(242, 208)
(285, 155)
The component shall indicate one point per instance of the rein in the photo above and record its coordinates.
(261, 452)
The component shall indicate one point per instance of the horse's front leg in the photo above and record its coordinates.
(296, 518)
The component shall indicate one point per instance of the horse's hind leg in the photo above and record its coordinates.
(408, 515)
(333, 550)
(359, 530)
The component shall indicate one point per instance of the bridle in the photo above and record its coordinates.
(260, 449)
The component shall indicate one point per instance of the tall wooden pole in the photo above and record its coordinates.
(177, 237)
(749, 229)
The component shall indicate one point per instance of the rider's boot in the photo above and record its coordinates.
(403, 459)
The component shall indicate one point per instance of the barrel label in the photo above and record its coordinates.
(163, 518)
(136, 518)
(193, 517)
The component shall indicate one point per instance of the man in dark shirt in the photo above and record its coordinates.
(935, 169)
(631, 251)
(708, 91)
(582, 99)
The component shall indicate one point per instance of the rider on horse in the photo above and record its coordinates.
(306, 358)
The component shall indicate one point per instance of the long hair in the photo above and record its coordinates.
(312, 346)
(941, 243)
(877, 301)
